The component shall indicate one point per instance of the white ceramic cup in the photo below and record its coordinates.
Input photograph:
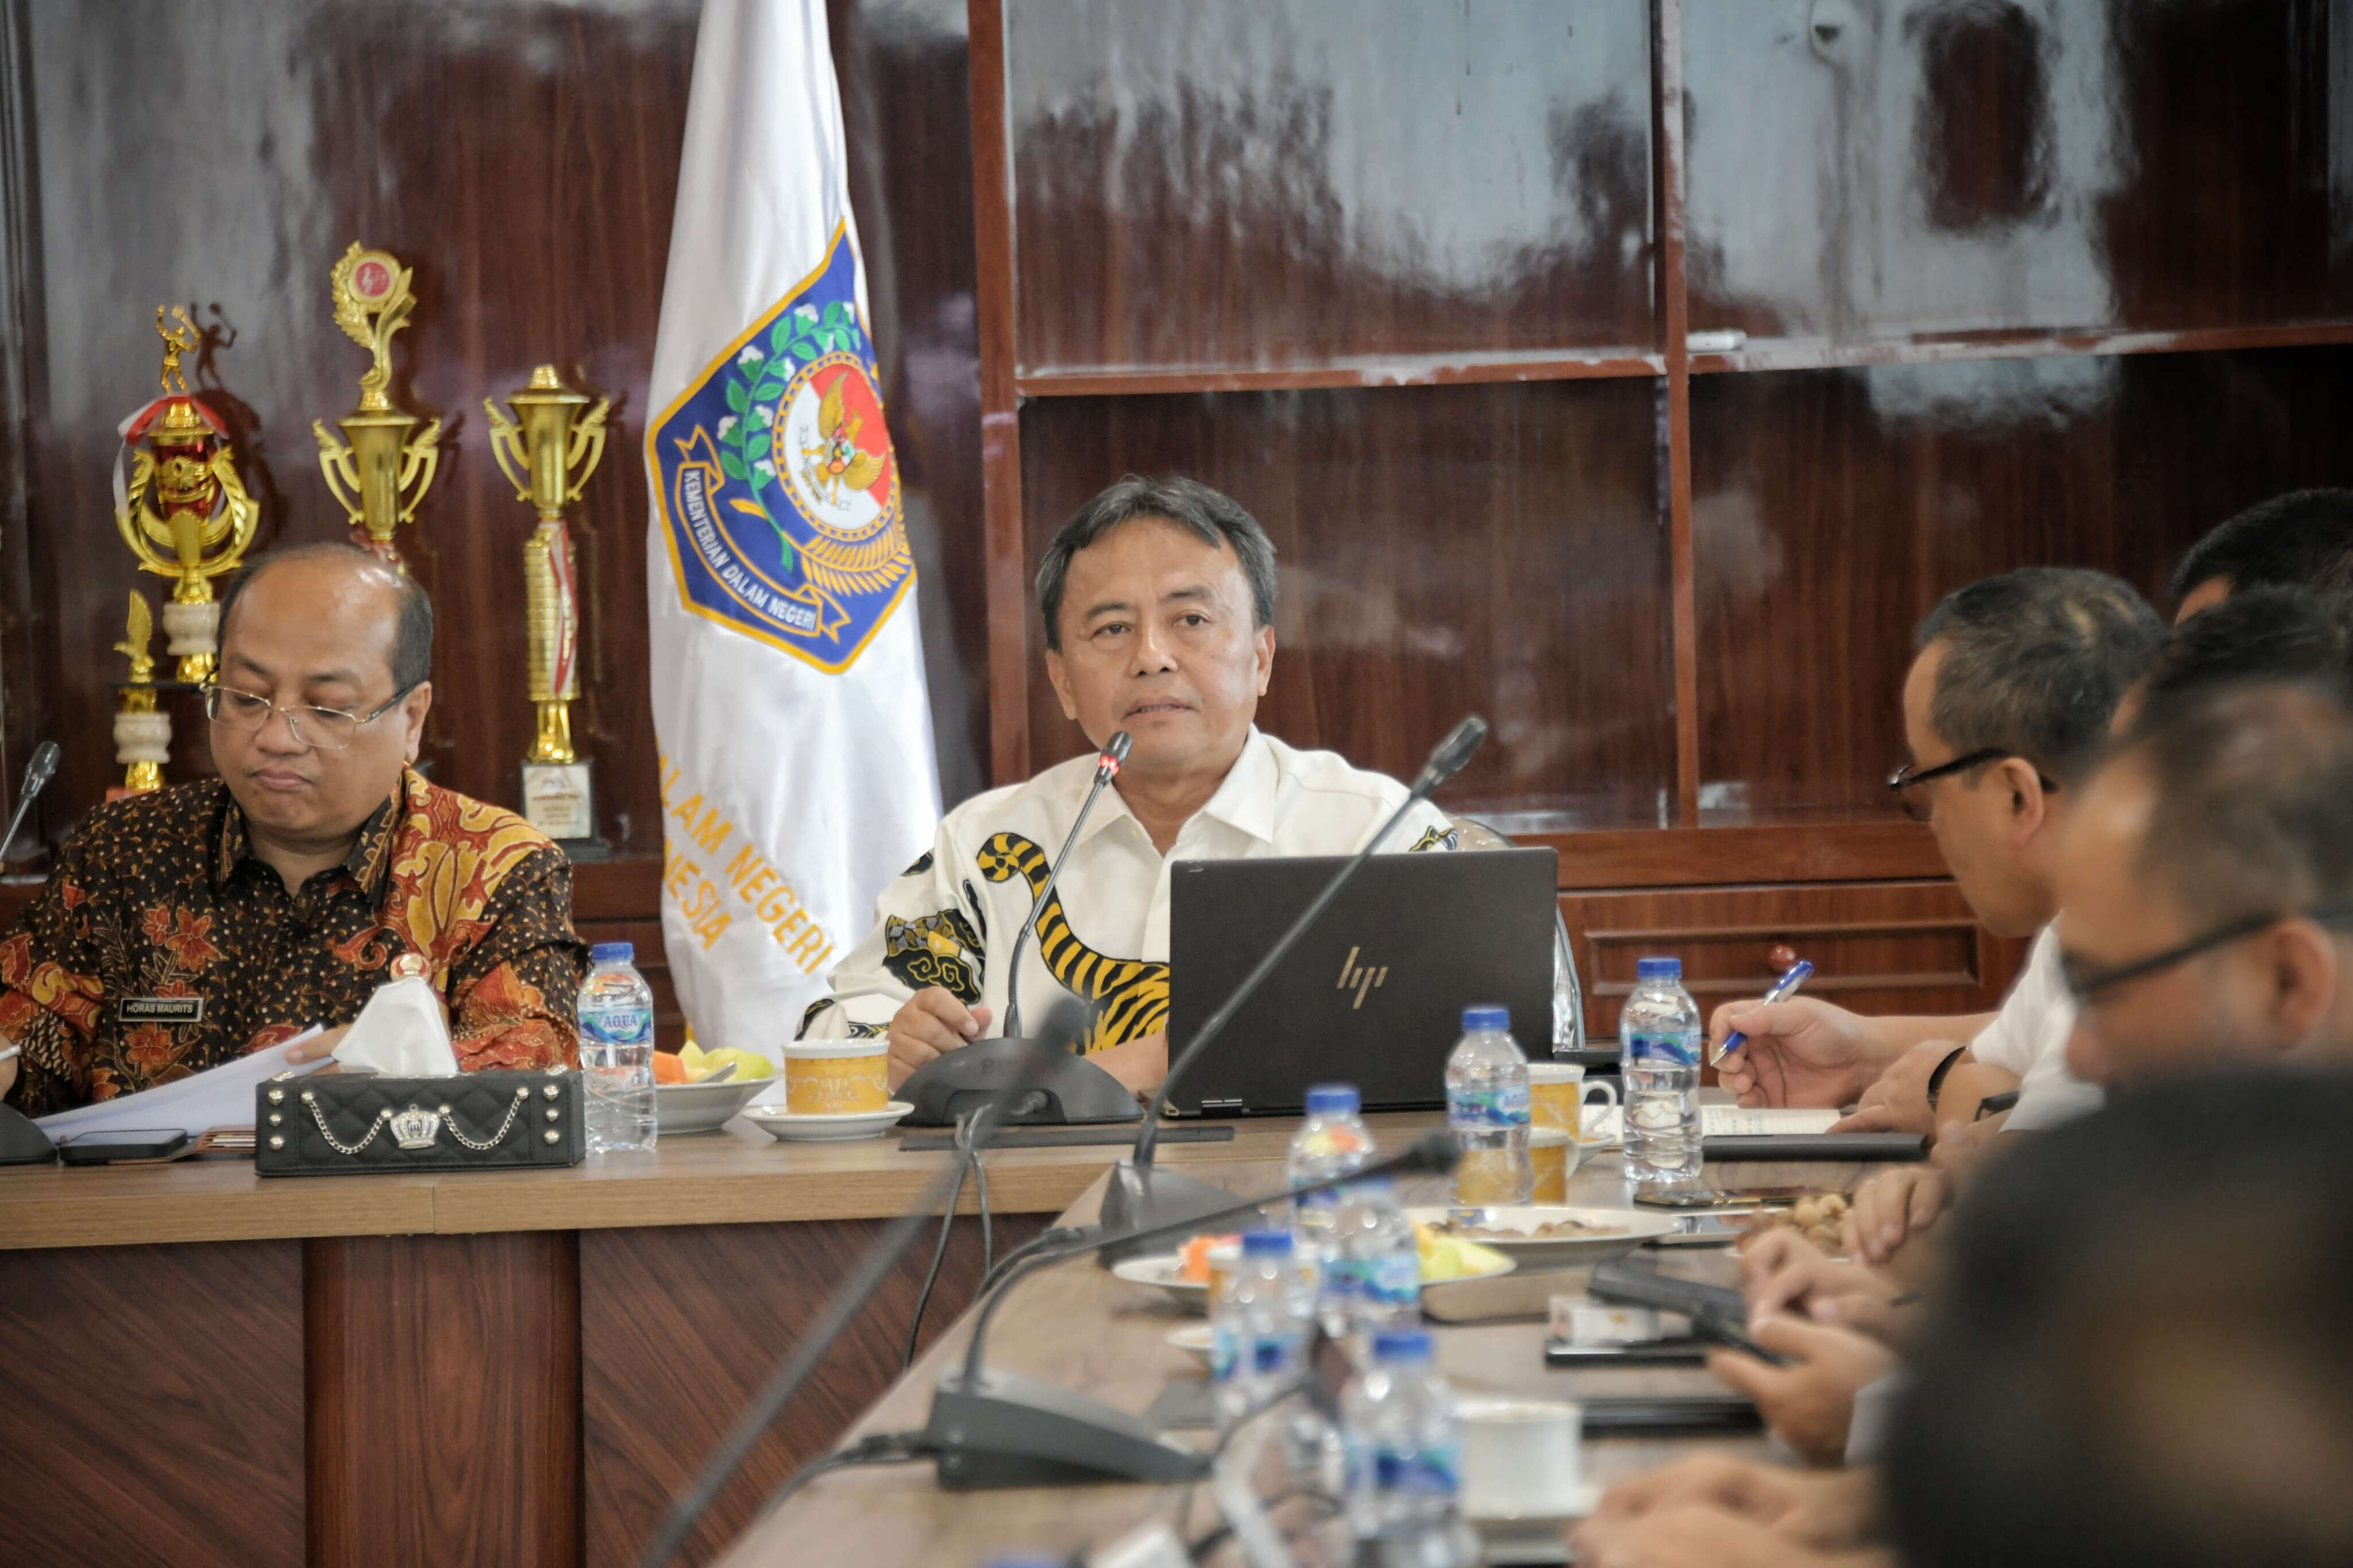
(1520, 1457)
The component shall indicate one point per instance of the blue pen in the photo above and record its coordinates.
(1783, 989)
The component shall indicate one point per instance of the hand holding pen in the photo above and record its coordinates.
(1782, 990)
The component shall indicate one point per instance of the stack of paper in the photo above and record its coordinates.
(222, 1097)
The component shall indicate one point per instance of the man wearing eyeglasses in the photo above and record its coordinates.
(2208, 888)
(2006, 704)
(185, 927)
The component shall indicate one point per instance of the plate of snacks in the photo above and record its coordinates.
(1819, 1217)
(1544, 1234)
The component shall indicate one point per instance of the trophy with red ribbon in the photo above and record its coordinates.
(386, 464)
(547, 450)
(183, 512)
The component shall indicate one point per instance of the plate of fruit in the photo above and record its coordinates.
(690, 1094)
(1186, 1276)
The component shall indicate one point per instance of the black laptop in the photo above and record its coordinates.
(1374, 993)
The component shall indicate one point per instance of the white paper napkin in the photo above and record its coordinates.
(401, 1033)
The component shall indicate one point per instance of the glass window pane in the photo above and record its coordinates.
(1865, 169)
(1832, 509)
(1273, 182)
(1495, 549)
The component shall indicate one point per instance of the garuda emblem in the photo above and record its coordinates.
(776, 480)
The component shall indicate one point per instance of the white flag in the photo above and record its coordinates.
(796, 766)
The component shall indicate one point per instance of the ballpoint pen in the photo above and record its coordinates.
(1783, 989)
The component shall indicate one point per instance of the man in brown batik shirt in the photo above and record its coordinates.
(188, 926)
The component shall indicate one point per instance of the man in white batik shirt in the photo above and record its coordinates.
(1158, 600)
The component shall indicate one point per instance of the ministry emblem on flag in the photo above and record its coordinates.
(777, 486)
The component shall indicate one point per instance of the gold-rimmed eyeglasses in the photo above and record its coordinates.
(327, 729)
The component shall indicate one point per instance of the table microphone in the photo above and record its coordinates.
(1141, 1196)
(1107, 764)
(999, 1429)
(39, 769)
(801, 1361)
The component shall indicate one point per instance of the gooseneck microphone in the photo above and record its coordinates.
(39, 769)
(687, 1512)
(1107, 764)
(999, 1429)
(1131, 1200)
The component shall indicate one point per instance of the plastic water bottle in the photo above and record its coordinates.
(617, 1050)
(1372, 1281)
(1487, 1110)
(1258, 1335)
(1334, 1142)
(1659, 1036)
(1405, 1459)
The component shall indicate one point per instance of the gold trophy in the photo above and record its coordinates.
(142, 732)
(547, 450)
(386, 467)
(207, 518)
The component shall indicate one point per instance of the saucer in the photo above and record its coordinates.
(1566, 1511)
(819, 1126)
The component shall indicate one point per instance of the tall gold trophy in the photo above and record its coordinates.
(547, 450)
(382, 468)
(180, 457)
(142, 732)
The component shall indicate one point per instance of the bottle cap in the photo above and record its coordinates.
(1487, 1016)
(1401, 1345)
(1266, 1244)
(1326, 1098)
(612, 952)
(1658, 969)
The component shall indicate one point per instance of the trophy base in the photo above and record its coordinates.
(560, 799)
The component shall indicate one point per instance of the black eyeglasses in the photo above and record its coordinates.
(1904, 778)
(2083, 987)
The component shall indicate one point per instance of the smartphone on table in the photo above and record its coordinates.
(123, 1145)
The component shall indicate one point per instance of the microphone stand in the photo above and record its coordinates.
(687, 1512)
(39, 769)
(1107, 766)
(1000, 1429)
(1142, 1196)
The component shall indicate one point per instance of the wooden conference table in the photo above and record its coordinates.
(492, 1368)
(1077, 1326)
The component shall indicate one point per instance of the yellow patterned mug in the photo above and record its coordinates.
(837, 1077)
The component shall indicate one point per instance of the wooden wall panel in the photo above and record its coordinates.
(1893, 167)
(681, 1327)
(1444, 550)
(1877, 947)
(523, 156)
(444, 1380)
(155, 1405)
(1239, 183)
(1832, 509)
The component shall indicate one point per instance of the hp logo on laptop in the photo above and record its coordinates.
(1359, 977)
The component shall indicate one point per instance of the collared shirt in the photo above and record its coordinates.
(162, 945)
(2029, 1038)
(1103, 936)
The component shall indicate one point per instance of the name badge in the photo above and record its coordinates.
(160, 1010)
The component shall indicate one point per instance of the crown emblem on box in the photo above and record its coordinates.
(416, 1129)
